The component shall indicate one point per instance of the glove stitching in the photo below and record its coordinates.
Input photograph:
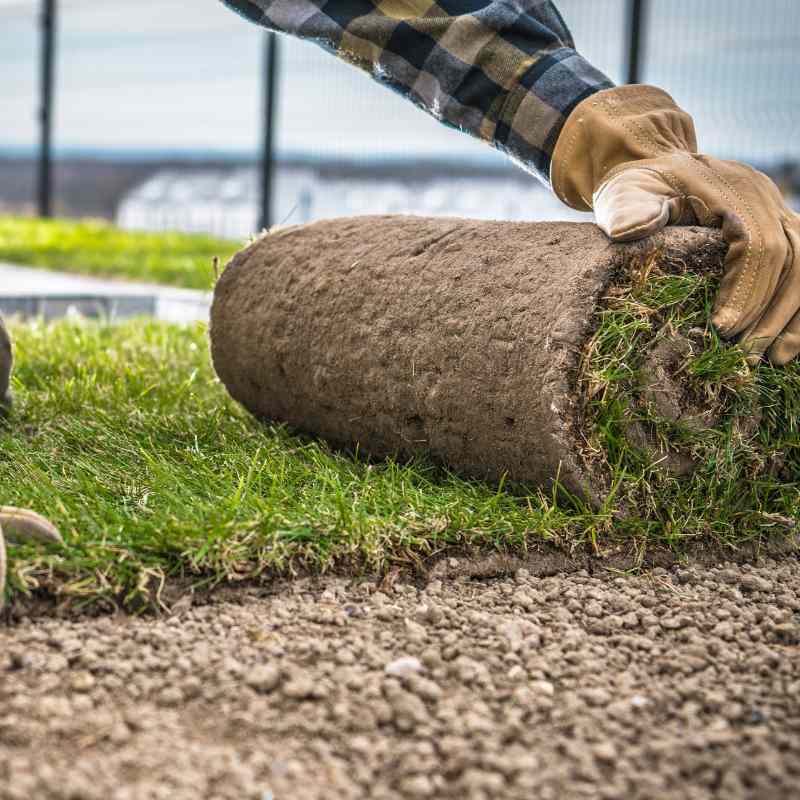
(792, 327)
(748, 271)
(571, 142)
(634, 129)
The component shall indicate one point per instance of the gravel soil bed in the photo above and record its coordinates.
(680, 683)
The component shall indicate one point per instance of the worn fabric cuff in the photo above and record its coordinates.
(535, 111)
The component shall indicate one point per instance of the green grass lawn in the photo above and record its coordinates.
(123, 436)
(150, 477)
(97, 248)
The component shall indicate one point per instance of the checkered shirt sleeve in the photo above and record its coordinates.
(505, 71)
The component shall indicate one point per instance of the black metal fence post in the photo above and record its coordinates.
(636, 17)
(45, 183)
(268, 143)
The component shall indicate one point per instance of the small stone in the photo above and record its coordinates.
(263, 678)
(82, 682)
(120, 733)
(787, 632)
(675, 623)
(432, 657)
(170, 697)
(724, 630)
(729, 576)
(301, 687)
(404, 667)
(415, 631)
(630, 620)
(524, 600)
(192, 687)
(18, 660)
(426, 689)
(594, 610)
(596, 697)
(56, 663)
(605, 752)
(430, 613)
(354, 610)
(345, 657)
(417, 786)
(753, 583)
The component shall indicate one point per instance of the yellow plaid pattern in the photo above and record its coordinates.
(507, 73)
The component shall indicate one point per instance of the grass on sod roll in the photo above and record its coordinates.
(94, 247)
(122, 435)
(745, 452)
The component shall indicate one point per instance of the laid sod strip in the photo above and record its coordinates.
(125, 439)
(98, 248)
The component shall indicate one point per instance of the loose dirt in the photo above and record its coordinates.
(680, 683)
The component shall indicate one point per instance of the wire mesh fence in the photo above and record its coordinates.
(158, 113)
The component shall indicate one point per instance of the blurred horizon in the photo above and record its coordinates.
(158, 114)
(150, 77)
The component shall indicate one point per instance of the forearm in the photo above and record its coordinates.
(508, 77)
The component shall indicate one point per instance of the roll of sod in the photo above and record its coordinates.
(538, 352)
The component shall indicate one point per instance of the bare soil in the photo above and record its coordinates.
(679, 683)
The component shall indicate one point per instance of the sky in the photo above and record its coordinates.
(139, 74)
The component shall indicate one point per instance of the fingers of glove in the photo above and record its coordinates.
(785, 302)
(787, 343)
(635, 203)
(21, 524)
(753, 268)
(750, 209)
(786, 346)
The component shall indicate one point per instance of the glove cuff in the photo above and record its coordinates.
(613, 127)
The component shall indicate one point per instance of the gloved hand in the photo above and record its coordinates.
(6, 360)
(17, 523)
(630, 154)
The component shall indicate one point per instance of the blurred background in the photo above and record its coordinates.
(158, 114)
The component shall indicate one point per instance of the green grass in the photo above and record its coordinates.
(746, 477)
(124, 437)
(151, 478)
(97, 248)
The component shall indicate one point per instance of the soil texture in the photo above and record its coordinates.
(680, 683)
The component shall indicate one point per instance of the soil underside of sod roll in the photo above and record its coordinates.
(538, 353)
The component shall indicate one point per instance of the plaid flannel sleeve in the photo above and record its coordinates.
(505, 72)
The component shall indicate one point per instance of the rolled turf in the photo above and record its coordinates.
(538, 352)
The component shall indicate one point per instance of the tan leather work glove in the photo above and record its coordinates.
(630, 154)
